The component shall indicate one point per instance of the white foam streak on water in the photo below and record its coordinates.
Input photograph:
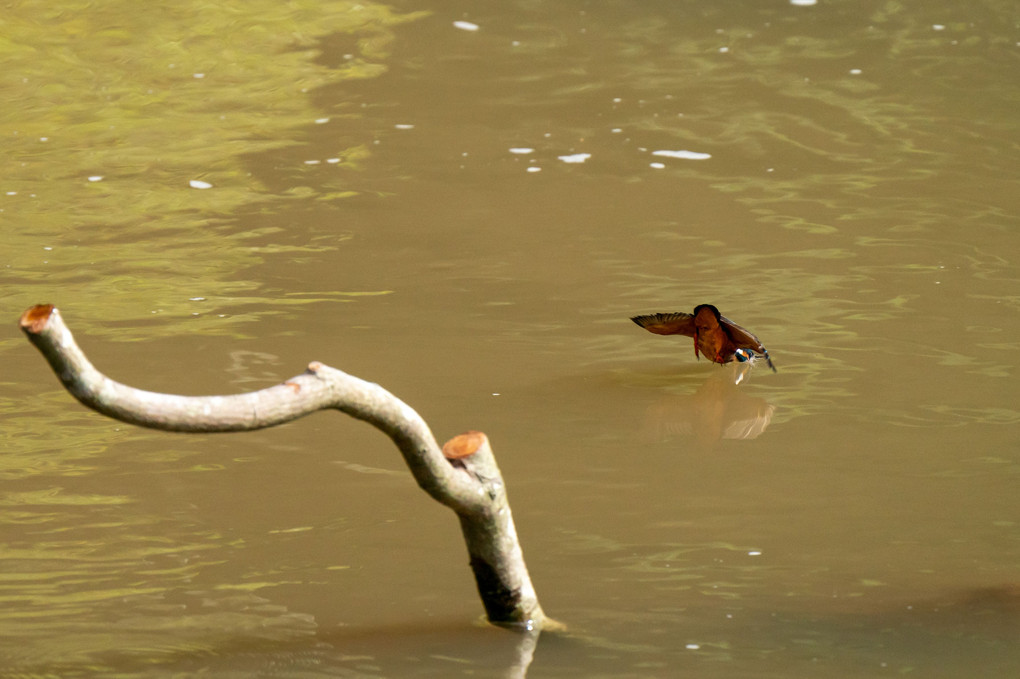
(682, 154)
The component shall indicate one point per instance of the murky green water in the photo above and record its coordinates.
(215, 196)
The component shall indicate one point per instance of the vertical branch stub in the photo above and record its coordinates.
(493, 547)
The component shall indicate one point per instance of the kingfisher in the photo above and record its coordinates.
(717, 337)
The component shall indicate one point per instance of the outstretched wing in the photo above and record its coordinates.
(677, 323)
(742, 339)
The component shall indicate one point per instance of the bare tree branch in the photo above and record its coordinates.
(463, 475)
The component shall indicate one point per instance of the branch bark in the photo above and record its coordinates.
(463, 475)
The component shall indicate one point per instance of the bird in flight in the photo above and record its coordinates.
(717, 337)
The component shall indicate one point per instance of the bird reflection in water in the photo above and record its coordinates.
(717, 410)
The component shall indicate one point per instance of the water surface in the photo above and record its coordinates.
(215, 198)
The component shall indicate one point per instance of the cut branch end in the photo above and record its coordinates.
(464, 445)
(34, 319)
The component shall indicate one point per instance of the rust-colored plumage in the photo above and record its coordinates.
(717, 337)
